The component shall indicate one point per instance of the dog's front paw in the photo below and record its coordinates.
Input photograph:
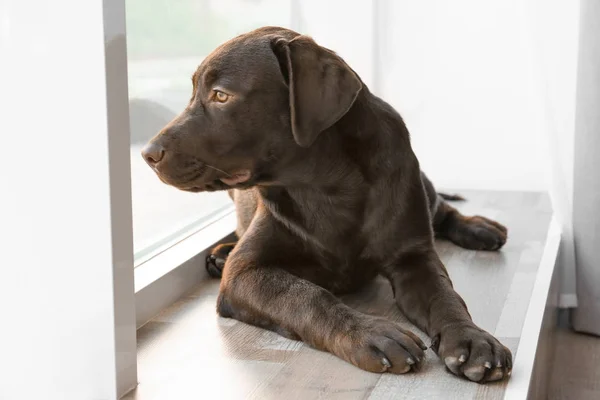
(473, 353)
(215, 262)
(379, 345)
(214, 266)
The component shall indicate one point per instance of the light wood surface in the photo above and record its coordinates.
(188, 352)
(576, 372)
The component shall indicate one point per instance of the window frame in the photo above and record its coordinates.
(70, 285)
(168, 275)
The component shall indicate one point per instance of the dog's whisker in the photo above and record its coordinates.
(217, 169)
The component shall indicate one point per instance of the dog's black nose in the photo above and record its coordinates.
(153, 153)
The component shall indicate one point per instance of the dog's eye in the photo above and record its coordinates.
(221, 97)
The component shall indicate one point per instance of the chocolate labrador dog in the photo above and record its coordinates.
(329, 194)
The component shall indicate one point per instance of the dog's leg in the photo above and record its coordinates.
(215, 262)
(475, 233)
(296, 308)
(266, 283)
(245, 207)
(425, 295)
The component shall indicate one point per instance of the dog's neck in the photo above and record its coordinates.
(335, 183)
(369, 143)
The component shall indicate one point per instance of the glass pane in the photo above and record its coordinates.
(166, 40)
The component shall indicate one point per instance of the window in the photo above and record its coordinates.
(166, 41)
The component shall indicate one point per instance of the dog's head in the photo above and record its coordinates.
(258, 101)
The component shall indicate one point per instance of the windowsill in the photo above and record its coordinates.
(512, 293)
(157, 266)
(168, 275)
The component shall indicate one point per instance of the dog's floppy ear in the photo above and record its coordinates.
(322, 86)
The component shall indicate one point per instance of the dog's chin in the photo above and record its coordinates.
(214, 186)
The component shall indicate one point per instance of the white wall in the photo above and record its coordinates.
(345, 27)
(460, 73)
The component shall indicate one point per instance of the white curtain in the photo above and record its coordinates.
(586, 200)
(553, 37)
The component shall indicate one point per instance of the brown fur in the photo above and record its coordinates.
(334, 197)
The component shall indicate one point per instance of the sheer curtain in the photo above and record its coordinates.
(494, 81)
(566, 40)
(586, 201)
(553, 37)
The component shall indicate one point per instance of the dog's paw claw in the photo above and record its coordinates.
(475, 354)
(215, 261)
(214, 266)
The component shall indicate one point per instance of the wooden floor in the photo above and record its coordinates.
(576, 374)
(187, 352)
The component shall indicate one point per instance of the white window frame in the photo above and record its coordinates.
(168, 275)
(69, 290)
